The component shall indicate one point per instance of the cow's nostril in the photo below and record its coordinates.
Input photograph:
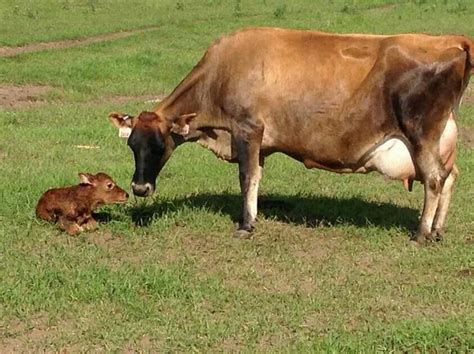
(141, 190)
(138, 190)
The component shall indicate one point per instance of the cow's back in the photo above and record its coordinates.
(262, 66)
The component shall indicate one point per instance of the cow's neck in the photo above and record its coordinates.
(192, 96)
(210, 128)
(178, 104)
(183, 99)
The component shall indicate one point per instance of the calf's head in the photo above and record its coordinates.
(150, 138)
(105, 190)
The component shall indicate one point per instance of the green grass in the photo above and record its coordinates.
(330, 267)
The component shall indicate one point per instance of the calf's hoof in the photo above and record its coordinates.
(74, 230)
(90, 225)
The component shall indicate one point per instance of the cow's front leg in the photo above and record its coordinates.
(247, 139)
(443, 205)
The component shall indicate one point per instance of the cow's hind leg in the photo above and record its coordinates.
(433, 176)
(443, 204)
(424, 101)
(247, 137)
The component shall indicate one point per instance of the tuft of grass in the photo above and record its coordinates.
(459, 7)
(180, 5)
(238, 8)
(280, 11)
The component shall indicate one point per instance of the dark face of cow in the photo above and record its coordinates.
(148, 146)
(149, 137)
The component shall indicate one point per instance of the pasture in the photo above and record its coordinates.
(330, 266)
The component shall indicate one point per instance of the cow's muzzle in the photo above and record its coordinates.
(143, 190)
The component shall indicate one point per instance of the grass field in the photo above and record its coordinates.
(330, 266)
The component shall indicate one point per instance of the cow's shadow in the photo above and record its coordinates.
(301, 210)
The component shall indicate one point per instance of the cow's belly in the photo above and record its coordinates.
(394, 160)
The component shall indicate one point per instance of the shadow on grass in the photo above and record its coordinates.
(301, 210)
(102, 216)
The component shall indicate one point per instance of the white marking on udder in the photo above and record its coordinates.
(392, 159)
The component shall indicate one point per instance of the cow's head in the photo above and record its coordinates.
(152, 140)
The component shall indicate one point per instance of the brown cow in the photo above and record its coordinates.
(340, 102)
(72, 207)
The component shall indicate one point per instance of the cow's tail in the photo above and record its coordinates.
(468, 46)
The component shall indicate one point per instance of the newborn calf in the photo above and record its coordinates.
(71, 207)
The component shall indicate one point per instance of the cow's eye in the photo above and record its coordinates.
(110, 185)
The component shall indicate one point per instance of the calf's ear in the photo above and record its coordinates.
(180, 124)
(123, 122)
(86, 178)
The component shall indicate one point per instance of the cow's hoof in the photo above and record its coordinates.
(425, 239)
(437, 236)
(434, 236)
(243, 234)
(419, 239)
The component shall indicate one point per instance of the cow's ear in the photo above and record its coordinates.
(86, 178)
(180, 124)
(123, 122)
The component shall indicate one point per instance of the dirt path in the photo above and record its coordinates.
(27, 96)
(13, 96)
(36, 47)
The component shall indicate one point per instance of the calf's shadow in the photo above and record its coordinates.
(297, 209)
